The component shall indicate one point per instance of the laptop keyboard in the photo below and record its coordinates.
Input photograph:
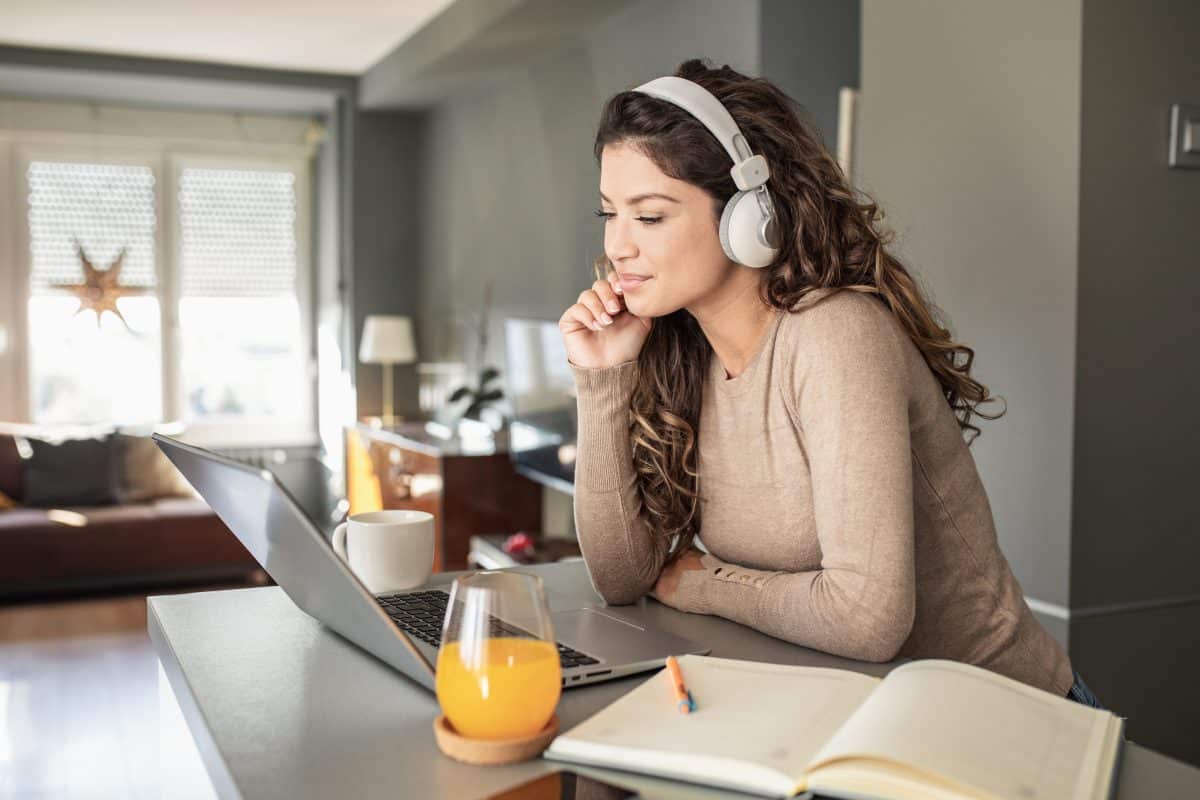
(420, 615)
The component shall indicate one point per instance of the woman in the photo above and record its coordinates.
(805, 418)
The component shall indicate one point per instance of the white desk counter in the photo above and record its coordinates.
(281, 707)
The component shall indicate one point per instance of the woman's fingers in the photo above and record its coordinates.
(576, 318)
(604, 290)
(595, 307)
(571, 320)
(593, 303)
(614, 280)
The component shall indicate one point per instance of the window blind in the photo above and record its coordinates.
(105, 207)
(237, 232)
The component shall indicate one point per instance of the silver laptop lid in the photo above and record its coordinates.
(271, 524)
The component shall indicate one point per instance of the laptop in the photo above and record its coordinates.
(402, 629)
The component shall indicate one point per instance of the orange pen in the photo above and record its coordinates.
(682, 696)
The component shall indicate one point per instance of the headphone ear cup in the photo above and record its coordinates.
(723, 228)
(738, 231)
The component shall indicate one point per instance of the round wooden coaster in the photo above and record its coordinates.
(492, 751)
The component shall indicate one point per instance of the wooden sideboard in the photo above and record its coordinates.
(469, 489)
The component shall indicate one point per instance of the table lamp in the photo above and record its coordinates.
(387, 340)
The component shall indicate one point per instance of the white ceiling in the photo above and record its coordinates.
(342, 36)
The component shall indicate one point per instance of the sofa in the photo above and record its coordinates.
(152, 532)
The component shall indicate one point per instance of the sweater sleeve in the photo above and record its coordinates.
(851, 403)
(622, 554)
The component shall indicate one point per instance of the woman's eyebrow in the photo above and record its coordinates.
(641, 197)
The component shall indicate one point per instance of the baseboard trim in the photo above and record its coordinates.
(1049, 609)
(1085, 612)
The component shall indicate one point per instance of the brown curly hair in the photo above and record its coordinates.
(830, 238)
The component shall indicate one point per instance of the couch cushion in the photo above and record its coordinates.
(76, 472)
(145, 472)
(49, 549)
(12, 467)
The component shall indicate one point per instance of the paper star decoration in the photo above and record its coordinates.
(101, 288)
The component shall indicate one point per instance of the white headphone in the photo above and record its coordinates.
(749, 230)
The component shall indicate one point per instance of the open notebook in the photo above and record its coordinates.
(930, 729)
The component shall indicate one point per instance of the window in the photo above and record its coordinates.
(214, 327)
(84, 369)
(242, 348)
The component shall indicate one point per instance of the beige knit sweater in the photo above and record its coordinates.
(840, 505)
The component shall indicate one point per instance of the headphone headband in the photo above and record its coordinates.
(749, 171)
(704, 106)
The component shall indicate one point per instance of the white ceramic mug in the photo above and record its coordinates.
(388, 550)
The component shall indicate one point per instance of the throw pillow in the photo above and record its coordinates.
(76, 472)
(145, 472)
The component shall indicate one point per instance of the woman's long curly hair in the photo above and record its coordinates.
(830, 238)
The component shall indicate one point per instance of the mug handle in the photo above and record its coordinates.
(339, 541)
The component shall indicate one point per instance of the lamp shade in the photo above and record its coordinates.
(387, 340)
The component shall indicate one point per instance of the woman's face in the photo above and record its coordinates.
(660, 234)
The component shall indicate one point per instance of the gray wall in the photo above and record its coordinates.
(969, 138)
(1134, 531)
(386, 229)
(1139, 330)
(811, 49)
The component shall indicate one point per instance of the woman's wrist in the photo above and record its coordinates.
(578, 368)
(602, 438)
(604, 389)
(692, 593)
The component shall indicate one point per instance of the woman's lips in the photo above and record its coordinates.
(631, 282)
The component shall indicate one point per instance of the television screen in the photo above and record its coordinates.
(541, 389)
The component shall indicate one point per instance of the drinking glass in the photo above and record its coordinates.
(498, 674)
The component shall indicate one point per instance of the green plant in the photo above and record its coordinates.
(480, 395)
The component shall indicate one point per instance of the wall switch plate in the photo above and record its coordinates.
(1185, 136)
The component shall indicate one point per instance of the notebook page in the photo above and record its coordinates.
(979, 729)
(771, 715)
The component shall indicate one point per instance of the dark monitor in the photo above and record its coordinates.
(541, 388)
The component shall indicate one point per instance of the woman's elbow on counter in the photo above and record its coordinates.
(881, 636)
(619, 589)
(877, 651)
(621, 594)
(618, 579)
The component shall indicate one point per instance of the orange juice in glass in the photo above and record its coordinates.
(498, 674)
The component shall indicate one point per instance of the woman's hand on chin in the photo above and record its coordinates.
(666, 589)
(599, 330)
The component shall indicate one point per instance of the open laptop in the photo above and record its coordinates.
(401, 629)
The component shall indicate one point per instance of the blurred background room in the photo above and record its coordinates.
(333, 240)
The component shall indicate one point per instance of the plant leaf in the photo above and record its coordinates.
(460, 393)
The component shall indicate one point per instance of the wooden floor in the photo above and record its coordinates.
(79, 700)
